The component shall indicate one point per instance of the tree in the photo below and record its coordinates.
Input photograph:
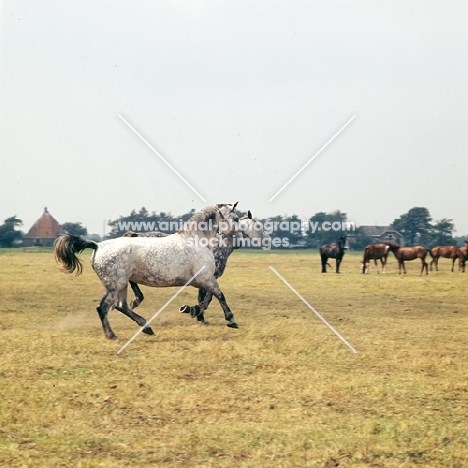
(442, 232)
(145, 221)
(414, 225)
(75, 228)
(8, 232)
(361, 240)
(326, 228)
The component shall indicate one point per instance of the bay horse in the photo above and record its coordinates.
(375, 252)
(336, 251)
(249, 228)
(453, 252)
(463, 257)
(152, 261)
(403, 254)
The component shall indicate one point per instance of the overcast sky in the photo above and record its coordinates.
(237, 96)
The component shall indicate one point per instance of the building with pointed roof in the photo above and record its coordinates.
(382, 234)
(43, 232)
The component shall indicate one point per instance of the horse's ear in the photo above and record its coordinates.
(249, 214)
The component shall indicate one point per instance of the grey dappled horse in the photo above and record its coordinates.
(151, 261)
(249, 228)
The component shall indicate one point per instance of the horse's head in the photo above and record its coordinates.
(229, 220)
(252, 229)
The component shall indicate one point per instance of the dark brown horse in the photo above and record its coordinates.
(375, 252)
(332, 251)
(403, 254)
(452, 252)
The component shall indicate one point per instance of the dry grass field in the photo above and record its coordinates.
(281, 391)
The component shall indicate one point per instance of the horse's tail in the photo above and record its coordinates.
(66, 247)
(365, 255)
(431, 254)
(365, 260)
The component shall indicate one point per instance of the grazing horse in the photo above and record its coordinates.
(152, 261)
(332, 251)
(403, 254)
(452, 252)
(249, 228)
(375, 252)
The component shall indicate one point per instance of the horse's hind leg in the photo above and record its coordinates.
(324, 259)
(107, 302)
(138, 295)
(123, 307)
(424, 267)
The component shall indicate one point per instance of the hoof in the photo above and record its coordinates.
(185, 309)
(113, 337)
(148, 331)
(204, 322)
(232, 324)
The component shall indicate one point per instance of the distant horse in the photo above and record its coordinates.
(153, 261)
(375, 252)
(332, 251)
(403, 254)
(463, 257)
(452, 252)
(249, 228)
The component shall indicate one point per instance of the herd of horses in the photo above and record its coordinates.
(402, 254)
(197, 255)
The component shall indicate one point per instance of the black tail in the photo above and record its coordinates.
(66, 247)
(431, 254)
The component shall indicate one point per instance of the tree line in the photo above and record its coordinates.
(416, 226)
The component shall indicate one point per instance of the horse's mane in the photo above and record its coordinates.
(205, 215)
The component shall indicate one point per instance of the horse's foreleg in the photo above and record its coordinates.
(214, 290)
(107, 302)
(228, 315)
(194, 311)
(338, 261)
(401, 266)
(138, 295)
(204, 299)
